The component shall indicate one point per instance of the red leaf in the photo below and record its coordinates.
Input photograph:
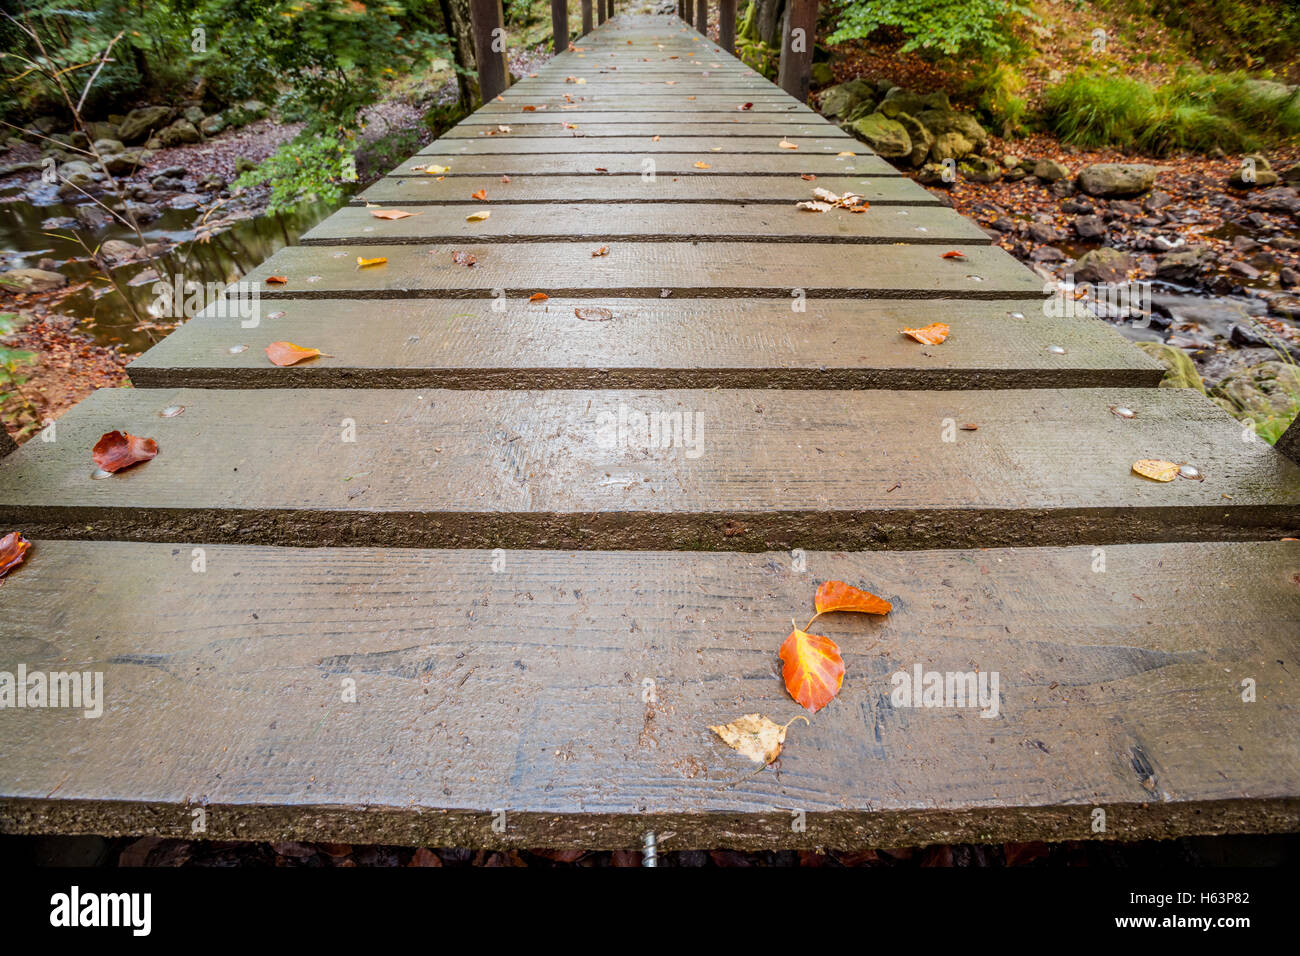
(117, 450)
(13, 551)
(954, 254)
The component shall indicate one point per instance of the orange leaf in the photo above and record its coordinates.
(786, 144)
(13, 551)
(813, 669)
(276, 280)
(505, 179)
(838, 596)
(538, 297)
(481, 195)
(391, 214)
(954, 254)
(702, 165)
(808, 177)
(530, 109)
(602, 251)
(932, 334)
(286, 353)
(654, 139)
(377, 261)
(117, 450)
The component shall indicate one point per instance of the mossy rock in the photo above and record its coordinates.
(1180, 370)
(842, 99)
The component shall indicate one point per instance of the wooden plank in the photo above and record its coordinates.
(425, 190)
(557, 137)
(762, 469)
(575, 692)
(666, 164)
(727, 118)
(511, 106)
(649, 222)
(488, 25)
(655, 343)
(647, 269)
(560, 25)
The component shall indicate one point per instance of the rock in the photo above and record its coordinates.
(76, 179)
(1157, 200)
(117, 250)
(1062, 188)
(921, 138)
(839, 101)
(179, 133)
(1182, 266)
(92, 217)
(1278, 199)
(1243, 269)
(1104, 265)
(140, 212)
(1180, 370)
(1079, 207)
(212, 181)
(1117, 179)
(1044, 232)
(981, 169)
(32, 280)
(140, 123)
(102, 130)
(171, 172)
(1255, 172)
(1292, 175)
(899, 100)
(212, 125)
(1286, 306)
(126, 162)
(887, 137)
(13, 169)
(933, 174)
(109, 147)
(1122, 207)
(193, 114)
(940, 121)
(1090, 227)
(1048, 254)
(1004, 224)
(153, 143)
(245, 165)
(1243, 336)
(1267, 393)
(1050, 171)
(950, 146)
(1288, 278)
(1244, 244)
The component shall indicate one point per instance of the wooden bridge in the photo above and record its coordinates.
(436, 586)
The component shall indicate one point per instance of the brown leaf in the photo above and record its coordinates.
(505, 179)
(117, 450)
(391, 214)
(13, 551)
(276, 280)
(602, 251)
(286, 353)
(808, 177)
(745, 106)
(1156, 470)
(466, 259)
(593, 313)
(702, 165)
(955, 254)
(478, 216)
(755, 736)
(481, 195)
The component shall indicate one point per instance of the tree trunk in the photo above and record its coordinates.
(766, 23)
(455, 16)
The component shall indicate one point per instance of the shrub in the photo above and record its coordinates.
(946, 26)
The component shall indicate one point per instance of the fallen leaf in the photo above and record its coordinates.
(530, 109)
(538, 297)
(755, 736)
(13, 551)
(654, 139)
(478, 216)
(838, 596)
(932, 334)
(702, 165)
(481, 195)
(1156, 470)
(846, 153)
(377, 261)
(505, 179)
(954, 254)
(593, 313)
(276, 280)
(745, 106)
(601, 169)
(602, 251)
(117, 450)
(786, 144)
(286, 353)
(808, 177)
(812, 206)
(813, 670)
(437, 170)
(391, 214)
(466, 259)
(969, 427)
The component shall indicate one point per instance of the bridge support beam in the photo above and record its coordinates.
(797, 35)
(488, 25)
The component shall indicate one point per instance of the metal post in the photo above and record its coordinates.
(489, 31)
(797, 35)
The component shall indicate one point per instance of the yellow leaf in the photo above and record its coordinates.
(1156, 470)
(437, 170)
(703, 165)
(755, 736)
(846, 153)
(478, 216)
(377, 261)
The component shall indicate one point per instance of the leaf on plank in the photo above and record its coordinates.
(116, 450)
(1156, 470)
(955, 254)
(786, 144)
(13, 551)
(932, 334)
(702, 165)
(838, 596)
(286, 353)
(363, 262)
(276, 280)
(481, 195)
(478, 216)
(538, 297)
(755, 736)
(602, 251)
(593, 313)
(392, 214)
(814, 669)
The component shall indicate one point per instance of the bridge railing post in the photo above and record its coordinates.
(586, 17)
(702, 16)
(600, 11)
(727, 25)
(488, 24)
(797, 35)
(560, 24)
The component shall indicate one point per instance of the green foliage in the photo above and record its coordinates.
(947, 26)
(997, 89)
(1194, 112)
(309, 168)
(12, 362)
(1244, 33)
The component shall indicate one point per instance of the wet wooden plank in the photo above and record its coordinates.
(425, 190)
(631, 102)
(758, 469)
(655, 343)
(727, 118)
(574, 691)
(648, 270)
(700, 148)
(732, 136)
(581, 162)
(657, 222)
